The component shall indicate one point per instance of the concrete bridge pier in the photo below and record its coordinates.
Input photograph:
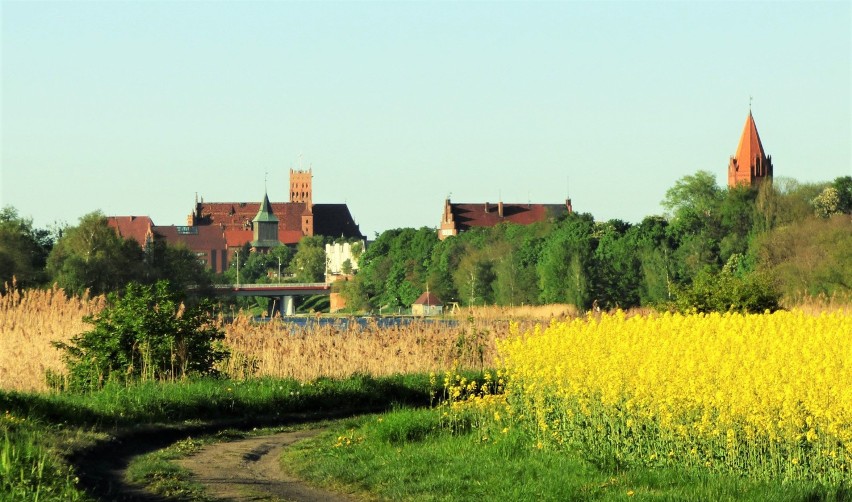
(282, 305)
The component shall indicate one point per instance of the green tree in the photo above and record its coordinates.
(147, 333)
(694, 224)
(308, 264)
(728, 291)
(843, 185)
(813, 257)
(738, 214)
(565, 270)
(23, 250)
(92, 256)
(394, 269)
(617, 269)
(176, 264)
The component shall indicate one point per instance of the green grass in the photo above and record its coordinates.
(39, 433)
(30, 469)
(410, 455)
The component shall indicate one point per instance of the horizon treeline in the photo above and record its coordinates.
(742, 248)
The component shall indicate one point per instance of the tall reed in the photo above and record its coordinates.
(29, 321)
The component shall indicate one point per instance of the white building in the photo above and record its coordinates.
(338, 255)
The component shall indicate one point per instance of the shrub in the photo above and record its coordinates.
(148, 333)
(726, 291)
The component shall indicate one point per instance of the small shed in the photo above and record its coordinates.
(427, 305)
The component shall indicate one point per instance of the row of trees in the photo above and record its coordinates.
(715, 249)
(92, 257)
(88, 257)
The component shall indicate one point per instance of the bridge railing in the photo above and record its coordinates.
(285, 285)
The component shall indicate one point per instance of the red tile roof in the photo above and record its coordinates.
(204, 238)
(131, 227)
(332, 220)
(428, 298)
(467, 216)
(239, 215)
(235, 238)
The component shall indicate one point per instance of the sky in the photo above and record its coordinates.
(133, 108)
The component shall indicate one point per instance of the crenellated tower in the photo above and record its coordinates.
(301, 191)
(301, 186)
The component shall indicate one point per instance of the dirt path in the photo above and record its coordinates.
(249, 466)
(249, 469)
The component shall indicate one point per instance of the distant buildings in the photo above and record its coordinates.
(215, 231)
(427, 305)
(460, 217)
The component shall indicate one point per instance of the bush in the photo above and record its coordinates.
(727, 291)
(148, 333)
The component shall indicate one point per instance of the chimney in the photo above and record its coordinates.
(500, 209)
(568, 206)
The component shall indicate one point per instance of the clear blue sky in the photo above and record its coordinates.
(134, 107)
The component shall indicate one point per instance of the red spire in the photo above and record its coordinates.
(750, 147)
(750, 162)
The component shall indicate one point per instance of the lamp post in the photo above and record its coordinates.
(279, 270)
(238, 267)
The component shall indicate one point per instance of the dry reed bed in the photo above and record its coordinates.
(29, 321)
(278, 349)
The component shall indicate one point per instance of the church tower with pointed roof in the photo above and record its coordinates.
(265, 226)
(750, 165)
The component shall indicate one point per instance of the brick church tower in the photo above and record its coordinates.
(750, 164)
(301, 191)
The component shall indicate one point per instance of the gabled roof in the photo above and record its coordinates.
(335, 220)
(131, 227)
(239, 215)
(467, 216)
(331, 220)
(750, 146)
(429, 299)
(204, 238)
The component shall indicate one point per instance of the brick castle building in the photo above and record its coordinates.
(215, 231)
(460, 217)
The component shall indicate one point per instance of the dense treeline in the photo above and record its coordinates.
(715, 249)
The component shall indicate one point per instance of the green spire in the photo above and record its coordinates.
(265, 212)
(265, 227)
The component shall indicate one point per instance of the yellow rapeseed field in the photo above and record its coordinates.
(767, 395)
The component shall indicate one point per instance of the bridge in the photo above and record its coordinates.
(283, 293)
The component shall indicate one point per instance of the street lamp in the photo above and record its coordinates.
(279, 270)
(238, 267)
